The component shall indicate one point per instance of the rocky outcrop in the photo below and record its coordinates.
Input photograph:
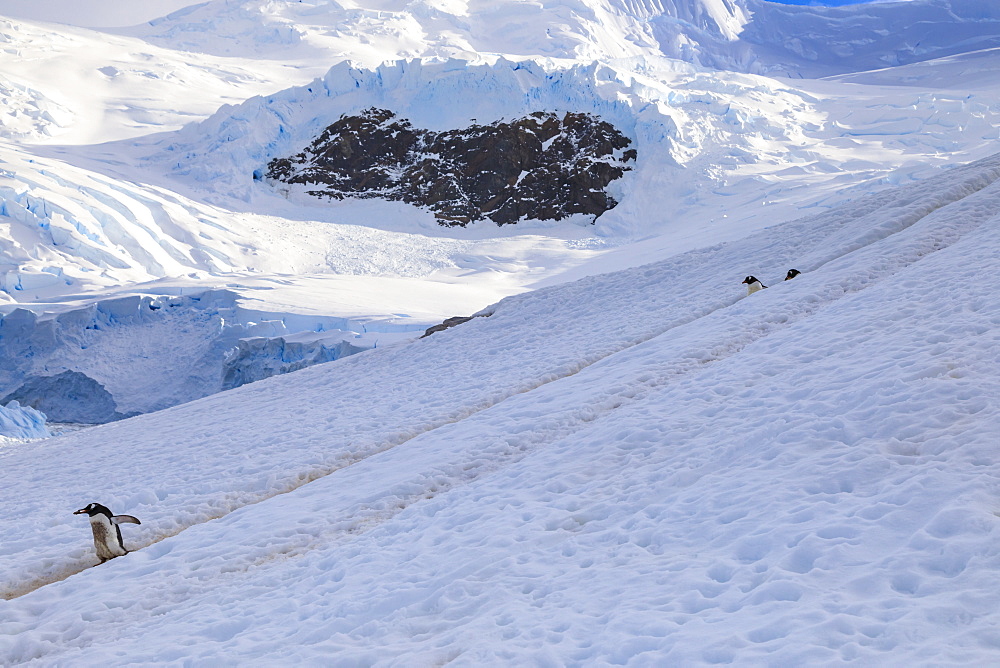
(544, 166)
(453, 321)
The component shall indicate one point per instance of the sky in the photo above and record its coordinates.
(832, 3)
(111, 14)
(91, 13)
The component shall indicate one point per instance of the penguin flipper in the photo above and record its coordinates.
(121, 519)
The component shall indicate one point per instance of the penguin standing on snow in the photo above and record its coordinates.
(792, 273)
(107, 535)
(753, 285)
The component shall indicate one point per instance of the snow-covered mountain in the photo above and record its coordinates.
(743, 35)
(629, 461)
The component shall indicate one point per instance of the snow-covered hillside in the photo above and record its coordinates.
(641, 468)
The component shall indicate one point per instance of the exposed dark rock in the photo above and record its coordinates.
(451, 322)
(70, 396)
(542, 166)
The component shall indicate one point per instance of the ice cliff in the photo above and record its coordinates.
(17, 421)
(120, 357)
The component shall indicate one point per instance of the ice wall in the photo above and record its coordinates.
(17, 421)
(69, 396)
(119, 357)
(262, 357)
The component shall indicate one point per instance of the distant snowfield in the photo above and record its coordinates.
(721, 156)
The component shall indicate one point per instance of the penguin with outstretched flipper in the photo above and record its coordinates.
(107, 536)
(753, 285)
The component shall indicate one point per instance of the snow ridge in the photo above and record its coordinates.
(752, 36)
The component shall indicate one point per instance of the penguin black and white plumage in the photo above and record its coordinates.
(792, 273)
(753, 285)
(107, 536)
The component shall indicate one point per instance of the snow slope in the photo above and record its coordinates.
(78, 86)
(684, 475)
(91, 13)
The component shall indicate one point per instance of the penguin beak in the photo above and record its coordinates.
(80, 512)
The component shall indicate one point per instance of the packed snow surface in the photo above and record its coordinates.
(643, 467)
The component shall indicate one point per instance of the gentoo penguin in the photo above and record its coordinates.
(753, 285)
(107, 535)
(792, 273)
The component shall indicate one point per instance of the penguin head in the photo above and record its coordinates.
(792, 273)
(750, 279)
(93, 509)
